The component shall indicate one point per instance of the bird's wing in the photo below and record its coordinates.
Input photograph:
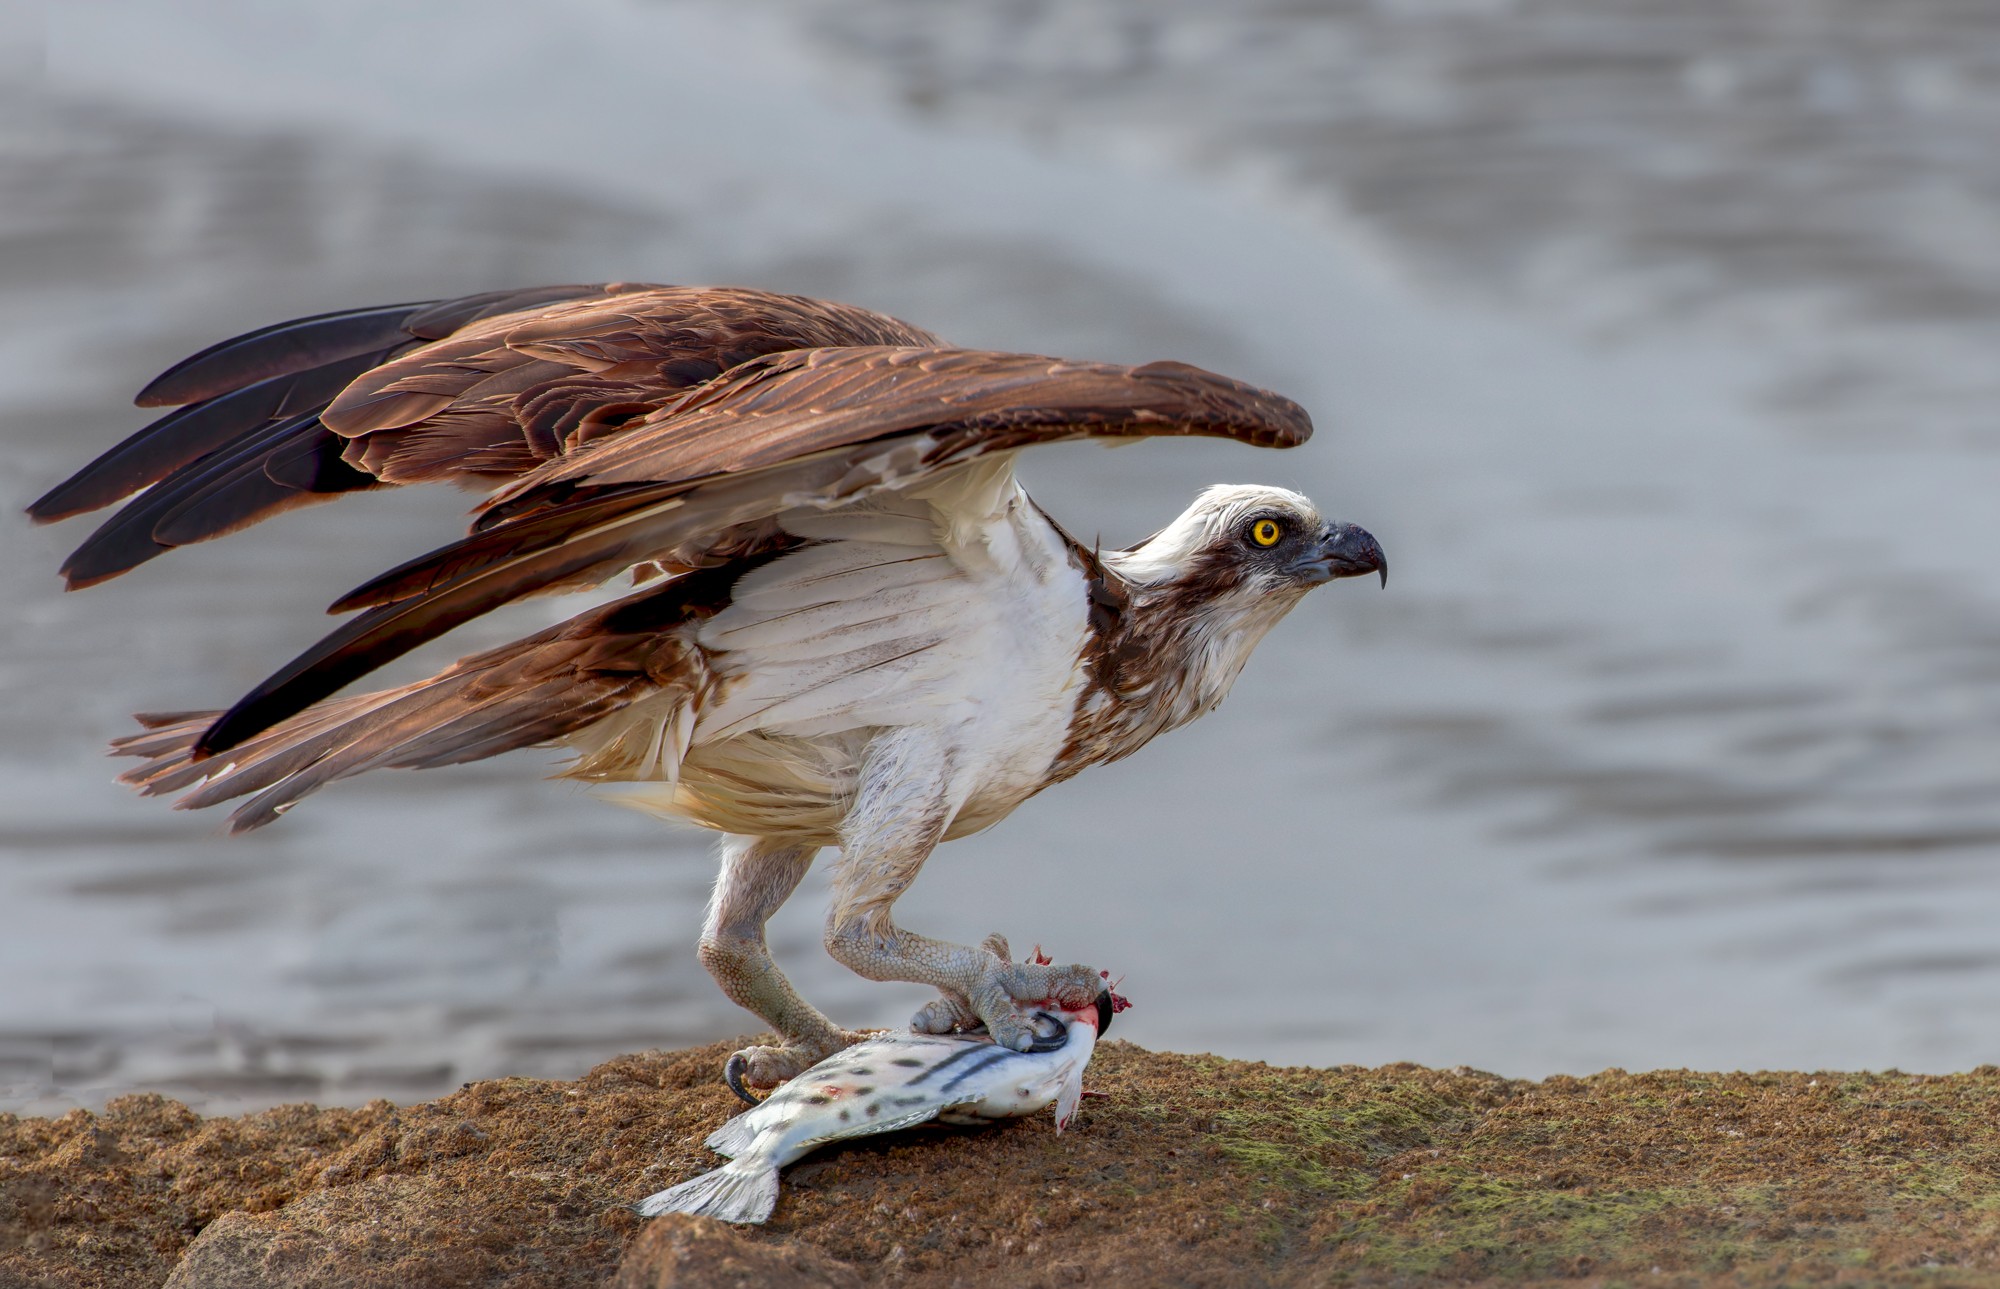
(475, 391)
(534, 690)
(699, 482)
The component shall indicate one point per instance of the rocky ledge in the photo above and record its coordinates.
(1190, 1170)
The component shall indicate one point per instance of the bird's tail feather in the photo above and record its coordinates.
(736, 1192)
(533, 691)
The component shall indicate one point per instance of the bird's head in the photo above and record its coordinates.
(1247, 543)
(1207, 587)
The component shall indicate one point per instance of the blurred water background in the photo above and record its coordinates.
(1655, 341)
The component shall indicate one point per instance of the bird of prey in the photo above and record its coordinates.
(852, 627)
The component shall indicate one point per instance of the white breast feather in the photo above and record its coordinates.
(953, 609)
(955, 606)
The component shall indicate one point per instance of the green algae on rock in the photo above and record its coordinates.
(1192, 1170)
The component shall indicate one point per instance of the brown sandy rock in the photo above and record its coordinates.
(1193, 1171)
(384, 1233)
(681, 1252)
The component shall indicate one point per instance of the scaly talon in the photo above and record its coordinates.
(1004, 997)
(764, 1068)
(732, 1074)
(945, 1014)
(998, 994)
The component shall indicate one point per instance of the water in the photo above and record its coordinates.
(1651, 344)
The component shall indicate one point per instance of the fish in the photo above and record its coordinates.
(881, 1084)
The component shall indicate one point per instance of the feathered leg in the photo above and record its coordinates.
(899, 815)
(757, 876)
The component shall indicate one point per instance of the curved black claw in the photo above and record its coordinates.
(732, 1074)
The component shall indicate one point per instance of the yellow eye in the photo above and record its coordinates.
(1265, 532)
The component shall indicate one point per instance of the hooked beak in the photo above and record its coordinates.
(1344, 550)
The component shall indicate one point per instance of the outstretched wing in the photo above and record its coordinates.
(475, 390)
(698, 483)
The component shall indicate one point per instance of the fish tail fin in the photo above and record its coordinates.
(735, 1192)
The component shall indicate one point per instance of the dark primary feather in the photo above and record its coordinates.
(507, 380)
(228, 485)
(278, 349)
(189, 433)
(831, 424)
(294, 468)
(325, 337)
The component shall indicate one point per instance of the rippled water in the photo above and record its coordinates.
(1655, 345)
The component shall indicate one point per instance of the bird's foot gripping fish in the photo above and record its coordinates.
(892, 1081)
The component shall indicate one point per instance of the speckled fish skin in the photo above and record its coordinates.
(879, 1085)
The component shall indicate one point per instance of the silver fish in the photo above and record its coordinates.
(879, 1085)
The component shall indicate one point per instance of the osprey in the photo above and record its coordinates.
(853, 628)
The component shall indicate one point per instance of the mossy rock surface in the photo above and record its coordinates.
(1190, 1170)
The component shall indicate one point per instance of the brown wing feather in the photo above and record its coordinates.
(189, 433)
(698, 484)
(529, 692)
(637, 351)
(791, 406)
(509, 380)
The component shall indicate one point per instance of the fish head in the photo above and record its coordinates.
(1073, 1032)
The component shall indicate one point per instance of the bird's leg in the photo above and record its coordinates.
(900, 812)
(757, 876)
